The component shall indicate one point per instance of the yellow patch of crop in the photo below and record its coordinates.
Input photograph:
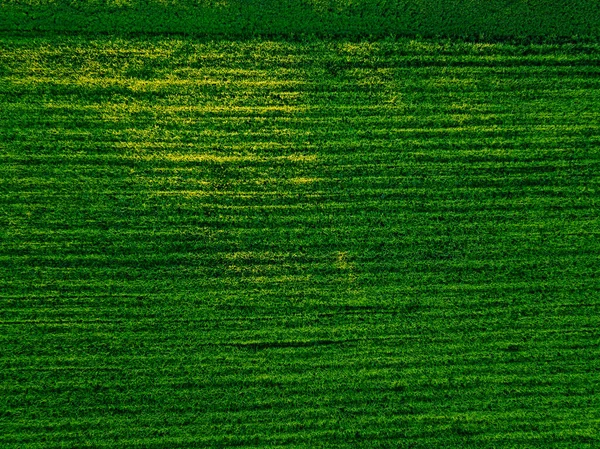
(245, 257)
(119, 3)
(246, 269)
(304, 180)
(182, 193)
(300, 157)
(346, 267)
(424, 47)
(358, 48)
(223, 159)
(213, 3)
(342, 262)
(286, 279)
(483, 46)
(328, 6)
(272, 46)
(241, 255)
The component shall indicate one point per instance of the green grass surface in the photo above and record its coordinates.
(474, 18)
(320, 243)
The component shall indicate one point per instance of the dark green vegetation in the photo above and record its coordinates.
(301, 244)
(491, 18)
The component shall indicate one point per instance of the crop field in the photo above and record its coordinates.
(531, 19)
(270, 242)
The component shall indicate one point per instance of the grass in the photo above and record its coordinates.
(301, 243)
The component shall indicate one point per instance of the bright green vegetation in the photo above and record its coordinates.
(317, 243)
(490, 18)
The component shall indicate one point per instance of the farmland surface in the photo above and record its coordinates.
(245, 18)
(318, 243)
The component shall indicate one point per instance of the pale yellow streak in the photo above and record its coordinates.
(359, 48)
(303, 180)
(217, 158)
(139, 85)
(278, 279)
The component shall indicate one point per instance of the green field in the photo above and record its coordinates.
(525, 19)
(270, 242)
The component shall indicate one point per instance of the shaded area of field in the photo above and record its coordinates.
(320, 243)
(243, 18)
